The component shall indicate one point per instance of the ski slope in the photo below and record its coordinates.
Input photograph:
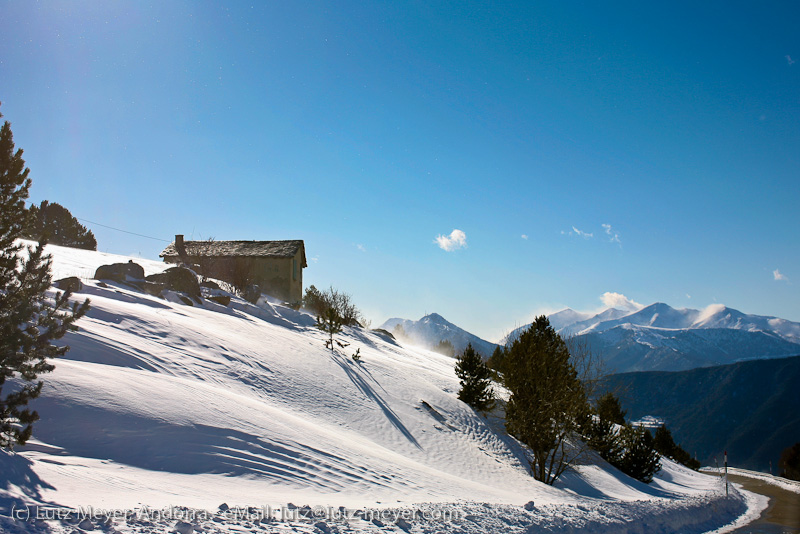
(161, 404)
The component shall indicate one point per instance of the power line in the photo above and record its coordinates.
(125, 231)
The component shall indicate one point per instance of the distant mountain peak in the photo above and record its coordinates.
(431, 329)
(436, 318)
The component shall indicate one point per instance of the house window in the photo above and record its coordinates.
(294, 269)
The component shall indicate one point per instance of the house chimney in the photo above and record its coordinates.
(179, 247)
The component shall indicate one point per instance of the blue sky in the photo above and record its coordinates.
(649, 150)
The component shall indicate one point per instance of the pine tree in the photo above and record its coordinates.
(666, 446)
(497, 360)
(603, 436)
(59, 225)
(663, 442)
(445, 346)
(29, 319)
(476, 380)
(548, 402)
(334, 310)
(640, 460)
(609, 409)
(399, 332)
(602, 433)
(330, 322)
(789, 464)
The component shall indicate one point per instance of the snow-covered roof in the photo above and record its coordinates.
(249, 249)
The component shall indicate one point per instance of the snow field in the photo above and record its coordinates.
(162, 404)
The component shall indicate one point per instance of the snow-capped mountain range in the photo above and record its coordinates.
(433, 328)
(662, 338)
(654, 338)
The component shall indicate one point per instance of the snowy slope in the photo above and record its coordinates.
(162, 404)
(433, 328)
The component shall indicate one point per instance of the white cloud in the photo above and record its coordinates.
(612, 234)
(779, 276)
(361, 247)
(456, 240)
(585, 235)
(619, 301)
(789, 59)
(524, 236)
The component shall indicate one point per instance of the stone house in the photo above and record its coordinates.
(275, 266)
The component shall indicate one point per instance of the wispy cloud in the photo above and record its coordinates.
(456, 240)
(524, 236)
(613, 235)
(581, 233)
(779, 276)
(789, 59)
(619, 301)
(361, 247)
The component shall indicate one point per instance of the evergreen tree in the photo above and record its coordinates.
(683, 457)
(333, 309)
(789, 463)
(331, 323)
(602, 433)
(476, 380)
(445, 346)
(640, 459)
(399, 332)
(663, 442)
(313, 300)
(497, 360)
(29, 319)
(609, 409)
(603, 436)
(548, 401)
(666, 446)
(58, 224)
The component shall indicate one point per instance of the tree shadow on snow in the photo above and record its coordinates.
(575, 481)
(353, 373)
(20, 487)
(149, 443)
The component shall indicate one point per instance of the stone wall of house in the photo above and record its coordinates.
(281, 278)
(274, 277)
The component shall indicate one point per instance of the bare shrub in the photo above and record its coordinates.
(334, 309)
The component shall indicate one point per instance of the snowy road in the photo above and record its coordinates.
(783, 514)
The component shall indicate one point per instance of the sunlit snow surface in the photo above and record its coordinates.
(165, 405)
